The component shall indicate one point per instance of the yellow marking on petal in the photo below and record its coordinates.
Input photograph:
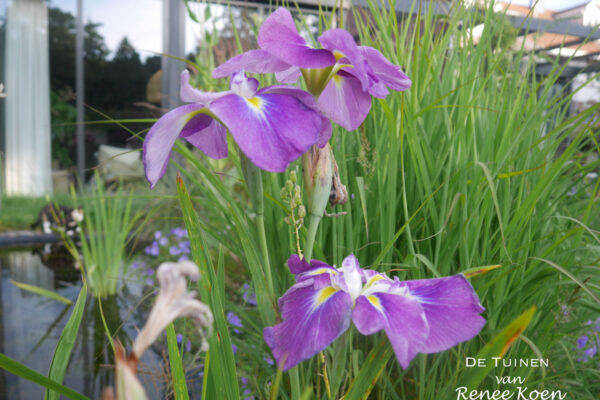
(373, 279)
(324, 294)
(374, 300)
(338, 54)
(337, 79)
(255, 102)
(320, 271)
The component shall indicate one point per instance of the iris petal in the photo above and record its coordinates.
(160, 139)
(253, 61)
(391, 75)
(189, 94)
(308, 100)
(344, 101)
(298, 266)
(452, 309)
(278, 35)
(211, 139)
(341, 42)
(271, 129)
(402, 318)
(313, 317)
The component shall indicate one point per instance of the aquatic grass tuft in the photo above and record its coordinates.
(105, 232)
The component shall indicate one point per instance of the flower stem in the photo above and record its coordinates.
(262, 237)
(253, 178)
(313, 226)
(295, 383)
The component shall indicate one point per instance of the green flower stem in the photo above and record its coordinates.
(313, 226)
(253, 178)
(295, 383)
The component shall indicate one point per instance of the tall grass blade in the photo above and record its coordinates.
(16, 368)
(497, 347)
(42, 292)
(65, 344)
(177, 372)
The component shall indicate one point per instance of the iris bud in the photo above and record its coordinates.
(318, 173)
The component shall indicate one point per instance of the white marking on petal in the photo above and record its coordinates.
(352, 276)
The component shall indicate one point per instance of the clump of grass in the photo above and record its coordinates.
(468, 168)
(105, 231)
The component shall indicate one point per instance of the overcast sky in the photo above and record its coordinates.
(141, 21)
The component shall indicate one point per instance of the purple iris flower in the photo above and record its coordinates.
(355, 73)
(273, 126)
(419, 316)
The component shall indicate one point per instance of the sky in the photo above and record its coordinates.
(140, 21)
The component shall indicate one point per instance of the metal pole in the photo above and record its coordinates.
(79, 89)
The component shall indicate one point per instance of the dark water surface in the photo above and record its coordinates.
(30, 326)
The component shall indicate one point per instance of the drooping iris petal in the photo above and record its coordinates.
(278, 35)
(289, 75)
(271, 129)
(308, 100)
(344, 101)
(341, 43)
(452, 310)
(160, 139)
(211, 138)
(189, 94)
(253, 61)
(312, 319)
(376, 86)
(391, 75)
(401, 317)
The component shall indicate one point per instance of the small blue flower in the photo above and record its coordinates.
(179, 338)
(149, 271)
(268, 360)
(150, 282)
(163, 241)
(174, 250)
(157, 235)
(179, 232)
(591, 352)
(235, 349)
(235, 321)
(248, 297)
(153, 249)
(188, 346)
(183, 258)
(582, 341)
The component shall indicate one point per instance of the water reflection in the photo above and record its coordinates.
(30, 326)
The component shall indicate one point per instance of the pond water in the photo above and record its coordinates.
(30, 326)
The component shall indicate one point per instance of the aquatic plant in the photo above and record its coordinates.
(107, 228)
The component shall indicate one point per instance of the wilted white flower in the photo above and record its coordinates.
(174, 301)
